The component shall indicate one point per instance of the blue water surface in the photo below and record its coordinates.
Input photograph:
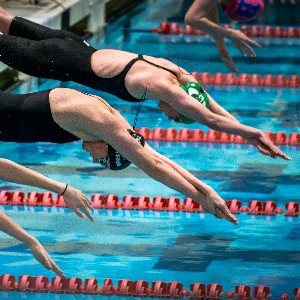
(163, 245)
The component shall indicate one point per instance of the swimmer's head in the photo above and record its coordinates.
(243, 10)
(109, 157)
(195, 90)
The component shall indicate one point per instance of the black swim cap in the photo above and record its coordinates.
(116, 160)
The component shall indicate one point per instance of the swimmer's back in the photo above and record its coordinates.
(27, 118)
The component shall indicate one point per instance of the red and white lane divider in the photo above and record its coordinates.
(255, 80)
(251, 31)
(211, 136)
(139, 288)
(158, 203)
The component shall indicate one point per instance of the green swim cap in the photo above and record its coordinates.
(195, 90)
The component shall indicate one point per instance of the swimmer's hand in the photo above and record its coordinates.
(225, 55)
(76, 200)
(242, 42)
(42, 256)
(266, 147)
(215, 205)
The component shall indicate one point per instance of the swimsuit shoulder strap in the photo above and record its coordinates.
(131, 63)
(156, 65)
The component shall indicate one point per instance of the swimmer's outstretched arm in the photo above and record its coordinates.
(219, 110)
(211, 201)
(175, 96)
(10, 227)
(111, 127)
(203, 15)
(73, 198)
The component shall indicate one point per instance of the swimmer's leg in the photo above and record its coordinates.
(30, 30)
(45, 58)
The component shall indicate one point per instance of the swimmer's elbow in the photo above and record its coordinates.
(212, 122)
(153, 168)
(191, 19)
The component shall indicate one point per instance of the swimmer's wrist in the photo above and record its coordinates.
(64, 190)
(28, 239)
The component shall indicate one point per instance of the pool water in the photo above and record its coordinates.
(169, 246)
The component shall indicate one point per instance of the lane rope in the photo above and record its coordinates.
(158, 203)
(139, 288)
(211, 136)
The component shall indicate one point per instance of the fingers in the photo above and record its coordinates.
(221, 211)
(271, 150)
(245, 49)
(57, 270)
(253, 43)
(239, 36)
(229, 63)
(44, 258)
(80, 201)
(79, 213)
(89, 204)
(227, 59)
(224, 212)
(87, 213)
(76, 211)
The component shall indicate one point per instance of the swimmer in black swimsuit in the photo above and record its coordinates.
(58, 54)
(72, 115)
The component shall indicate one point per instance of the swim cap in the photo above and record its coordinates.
(195, 90)
(243, 10)
(116, 160)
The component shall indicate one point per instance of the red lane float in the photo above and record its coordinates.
(214, 291)
(251, 31)
(261, 292)
(198, 290)
(256, 80)
(269, 208)
(213, 136)
(105, 201)
(132, 202)
(7, 282)
(168, 204)
(189, 205)
(242, 292)
(91, 286)
(158, 203)
(255, 207)
(139, 288)
(292, 209)
(297, 293)
(234, 206)
(107, 288)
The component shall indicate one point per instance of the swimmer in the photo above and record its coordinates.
(62, 55)
(73, 198)
(12, 172)
(203, 15)
(64, 115)
(10, 227)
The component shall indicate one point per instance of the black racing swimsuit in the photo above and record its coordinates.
(27, 119)
(57, 54)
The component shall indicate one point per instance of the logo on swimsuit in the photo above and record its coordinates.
(138, 138)
(118, 159)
